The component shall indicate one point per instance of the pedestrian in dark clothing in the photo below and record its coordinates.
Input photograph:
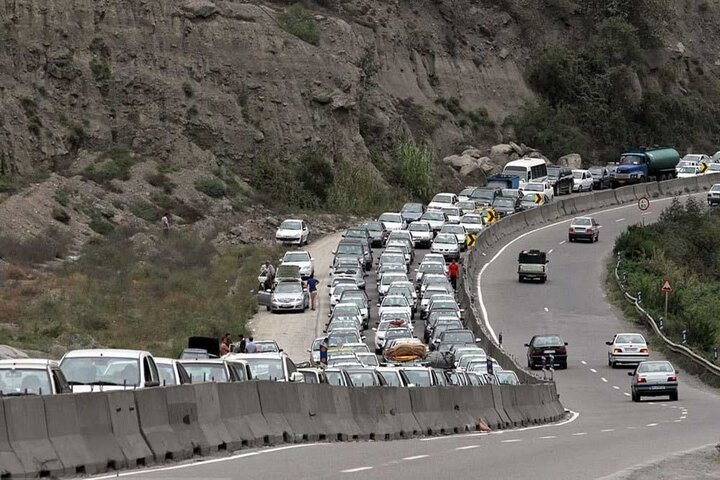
(454, 269)
(312, 284)
(240, 346)
(324, 351)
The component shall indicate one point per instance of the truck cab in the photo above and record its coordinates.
(643, 165)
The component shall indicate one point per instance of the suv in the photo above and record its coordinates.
(560, 178)
(106, 369)
(25, 376)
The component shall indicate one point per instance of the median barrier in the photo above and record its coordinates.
(400, 412)
(483, 406)
(533, 216)
(368, 413)
(707, 181)
(182, 408)
(505, 398)
(341, 414)
(585, 203)
(431, 413)
(551, 402)
(689, 185)
(334, 426)
(95, 428)
(551, 211)
(272, 406)
(625, 194)
(10, 465)
(63, 431)
(125, 427)
(209, 418)
(242, 415)
(567, 205)
(164, 442)
(671, 188)
(28, 436)
(530, 405)
(650, 190)
(604, 198)
(302, 409)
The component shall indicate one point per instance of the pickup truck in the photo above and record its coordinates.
(532, 265)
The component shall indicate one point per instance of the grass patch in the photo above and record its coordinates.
(358, 189)
(160, 180)
(301, 23)
(62, 196)
(145, 210)
(114, 164)
(212, 187)
(50, 244)
(8, 184)
(115, 298)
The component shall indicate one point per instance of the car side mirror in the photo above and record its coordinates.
(297, 377)
(608, 343)
(527, 345)
(280, 350)
(363, 338)
(329, 286)
(268, 290)
(478, 340)
(334, 252)
(566, 344)
(377, 304)
(630, 374)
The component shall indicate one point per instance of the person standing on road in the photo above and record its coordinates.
(250, 346)
(324, 351)
(240, 346)
(165, 221)
(454, 269)
(312, 284)
(225, 344)
(269, 272)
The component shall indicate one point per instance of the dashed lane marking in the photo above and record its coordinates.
(579, 434)
(353, 470)
(583, 362)
(606, 430)
(514, 440)
(603, 379)
(616, 387)
(626, 394)
(469, 447)
(561, 242)
(651, 425)
(546, 309)
(550, 251)
(619, 220)
(548, 437)
(416, 457)
(593, 370)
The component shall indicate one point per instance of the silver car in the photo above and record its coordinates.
(289, 296)
(627, 348)
(652, 379)
(447, 245)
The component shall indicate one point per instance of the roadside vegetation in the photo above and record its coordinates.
(593, 98)
(115, 296)
(683, 247)
(301, 23)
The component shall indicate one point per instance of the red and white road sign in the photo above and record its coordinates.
(643, 203)
(666, 286)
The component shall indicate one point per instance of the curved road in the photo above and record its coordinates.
(609, 433)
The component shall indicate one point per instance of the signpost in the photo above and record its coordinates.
(490, 216)
(471, 239)
(643, 205)
(667, 289)
(538, 199)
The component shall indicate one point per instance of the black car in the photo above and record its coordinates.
(378, 233)
(485, 195)
(601, 177)
(542, 347)
(561, 179)
(505, 206)
(411, 212)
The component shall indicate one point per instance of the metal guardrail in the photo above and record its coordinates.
(675, 347)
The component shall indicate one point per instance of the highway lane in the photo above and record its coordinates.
(611, 433)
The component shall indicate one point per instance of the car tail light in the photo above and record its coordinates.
(643, 350)
(641, 379)
(617, 350)
(561, 350)
(571, 230)
(589, 230)
(672, 378)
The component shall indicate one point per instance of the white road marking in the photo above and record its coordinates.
(593, 370)
(514, 440)
(626, 394)
(546, 309)
(651, 425)
(619, 220)
(677, 421)
(683, 417)
(664, 404)
(550, 251)
(478, 283)
(579, 434)
(548, 437)
(616, 387)
(606, 430)
(603, 379)
(583, 362)
(469, 447)
(210, 461)
(561, 242)
(353, 470)
(416, 457)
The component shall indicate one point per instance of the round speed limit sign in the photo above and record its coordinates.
(643, 203)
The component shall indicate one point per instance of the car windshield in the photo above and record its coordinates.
(356, 233)
(715, 188)
(392, 378)
(467, 191)
(296, 257)
(310, 377)
(446, 239)
(691, 157)
(459, 337)
(391, 277)
(167, 375)
(288, 287)
(291, 225)
(441, 198)
(102, 370)
(577, 174)
(630, 339)
(346, 310)
(630, 160)
(451, 211)
(398, 333)
(534, 187)
(369, 359)
(388, 258)
(206, 372)
(473, 220)
(715, 167)
(553, 172)
(582, 222)
(431, 268)
(433, 216)
(266, 368)
(19, 381)
(341, 288)
(362, 379)
(453, 229)
(349, 248)
(483, 194)
(373, 226)
(340, 339)
(503, 202)
(517, 171)
(596, 172)
(688, 169)
(334, 378)
(529, 198)
(395, 302)
(655, 367)
(548, 341)
(419, 227)
(507, 378)
(390, 218)
(510, 192)
(419, 378)
(412, 207)
(266, 347)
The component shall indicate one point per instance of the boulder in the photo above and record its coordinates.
(6, 352)
(517, 148)
(199, 9)
(473, 152)
(571, 160)
(487, 166)
(459, 161)
(500, 149)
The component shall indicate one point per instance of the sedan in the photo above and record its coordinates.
(627, 348)
(582, 181)
(601, 177)
(447, 245)
(459, 231)
(301, 259)
(713, 196)
(392, 221)
(542, 347)
(505, 206)
(395, 304)
(584, 228)
(412, 212)
(473, 223)
(292, 231)
(422, 233)
(436, 219)
(378, 233)
(654, 378)
(289, 296)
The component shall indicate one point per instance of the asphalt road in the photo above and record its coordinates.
(609, 433)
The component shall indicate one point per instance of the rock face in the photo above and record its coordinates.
(476, 163)
(571, 160)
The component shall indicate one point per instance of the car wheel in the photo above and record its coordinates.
(520, 278)
(635, 396)
(674, 396)
(570, 239)
(610, 363)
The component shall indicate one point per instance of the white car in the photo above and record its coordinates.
(713, 168)
(434, 257)
(627, 348)
(453, 214)
(392, 221)
(388, 279)
(421, 232)
(687, 172)
(31, 376)
(472, 222)
(107, 369)
(394, 304)
(292, 231)
(582, 181)
(301, 259)
(436, 219)
(400, 235)
(542, 187)
(434, 292)
(429, 267)
(442, 200)
(713, 196)
(459, 231)
(447, 245)
(465, 193)
(692, 160)
(172, 372)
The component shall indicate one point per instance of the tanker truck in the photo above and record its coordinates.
(642, 165)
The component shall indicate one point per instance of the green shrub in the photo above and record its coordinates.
(8, 184)
(301, 23)
(62, 196)
(415, 168)
(101, 226)
(358, 189)
(49, 244)
(212, 187)
(146, 211)
(60, 215)
(100, 69)
(115, 164)
(160, 180)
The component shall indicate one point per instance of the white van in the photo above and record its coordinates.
(107, 369)
(528, 169)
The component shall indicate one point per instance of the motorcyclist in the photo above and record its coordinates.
(269, 271)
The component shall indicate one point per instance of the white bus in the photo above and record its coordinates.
(528, 169)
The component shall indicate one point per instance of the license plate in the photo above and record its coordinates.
(580, 229)
(657, 387)
(549, 351)
(631, 350)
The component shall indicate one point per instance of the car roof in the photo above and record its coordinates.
(214, 361)
(106, 352)
(244, 356)
(31, 363)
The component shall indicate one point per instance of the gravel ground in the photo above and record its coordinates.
(698, 464)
